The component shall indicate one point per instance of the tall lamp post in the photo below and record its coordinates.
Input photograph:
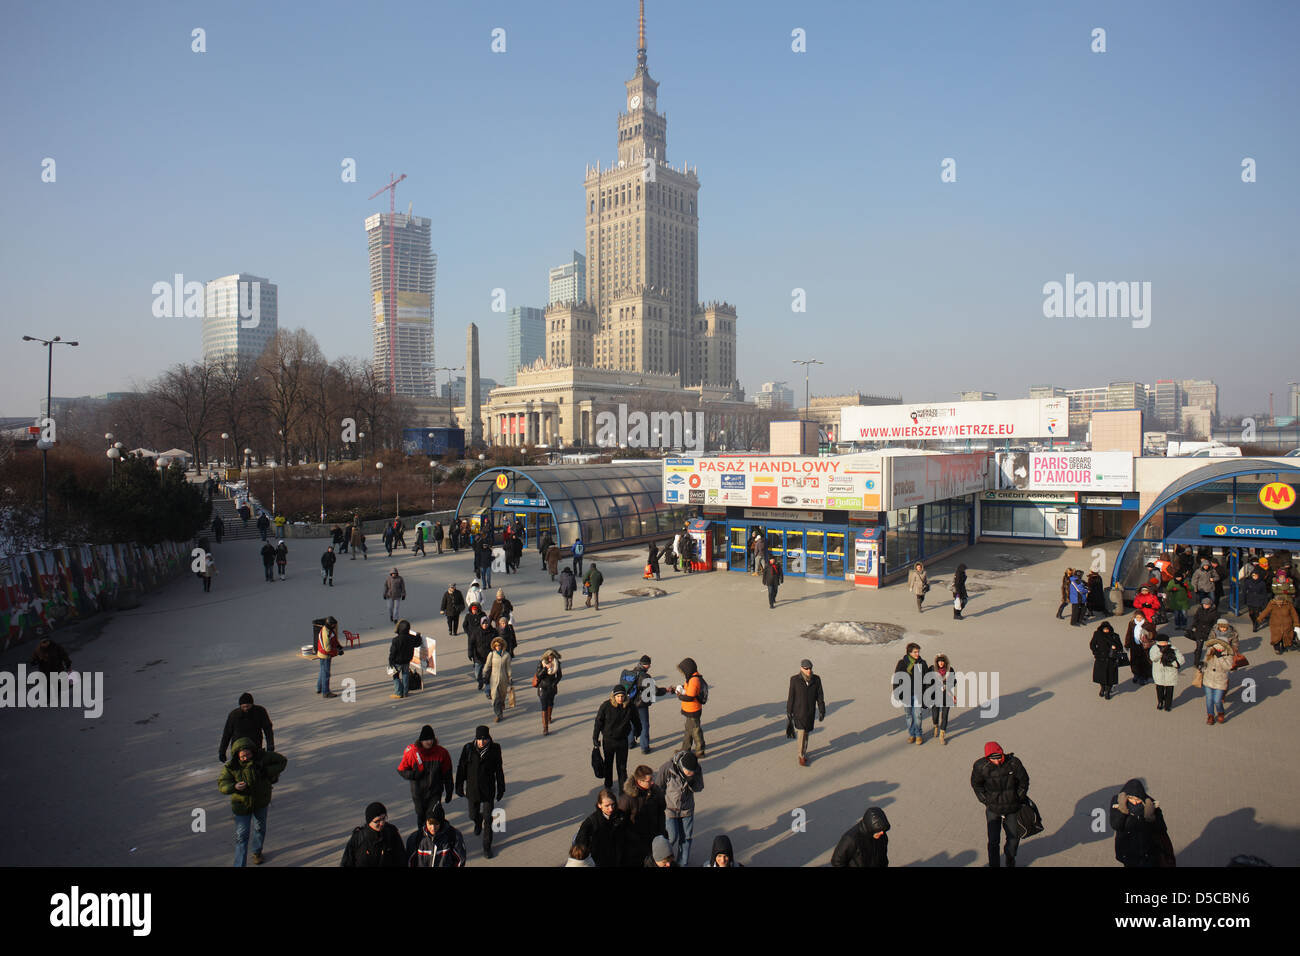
(225, 445)
(44, 445)
(448, 369)
(805, 363)
(433, 480)
(321, 469)
(273, 509)
(113, 454)
(379, 469)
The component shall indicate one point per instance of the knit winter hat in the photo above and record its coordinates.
(1134, 788)
(645, 659)
(426, 733)
(375, 809)
(245, 698)
(481, 732)
(690, 762)
(436, 814)
(991, 748)
(660, 849)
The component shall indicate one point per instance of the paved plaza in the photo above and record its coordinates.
(123, 789)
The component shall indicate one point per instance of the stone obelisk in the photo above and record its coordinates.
(473, 407)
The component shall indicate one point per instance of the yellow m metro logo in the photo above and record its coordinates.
(1277, 496)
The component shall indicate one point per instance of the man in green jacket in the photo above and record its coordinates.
(593, 579)
(248, 779)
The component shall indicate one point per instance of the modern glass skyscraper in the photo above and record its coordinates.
(240, 316)
(525, 339)
(569, 281)
(403, 352)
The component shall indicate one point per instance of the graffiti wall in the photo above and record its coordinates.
(41, 591)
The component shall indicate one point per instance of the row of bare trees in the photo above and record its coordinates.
(291, 404)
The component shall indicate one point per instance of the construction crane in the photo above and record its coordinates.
(390, 318)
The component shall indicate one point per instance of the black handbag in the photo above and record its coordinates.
(1028, 820)
(789, 727)
(597, 763)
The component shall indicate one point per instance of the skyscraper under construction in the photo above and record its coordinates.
(404, 357)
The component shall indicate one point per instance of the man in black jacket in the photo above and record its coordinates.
(247, 720)
(377, 844)
(866, 843)
(481, 779)
(1203, 622)
(1141, 837)
(437, 843)
(613, 719)
(909, 691)
(327, 566)
(453, 605)
(401, 651)
(1000, 783)
(803, 704)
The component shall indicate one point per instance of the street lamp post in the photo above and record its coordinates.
(805, 363)
(225, 445)
(433, 480)
(379, 469)
(321, 469)
(448, 369)
(43, 444)
(113, 455)
(273, 508)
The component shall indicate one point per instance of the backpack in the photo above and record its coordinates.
(704, 690)
(1168, 657)
(628, 681)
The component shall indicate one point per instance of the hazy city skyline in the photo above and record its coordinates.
(820, 171)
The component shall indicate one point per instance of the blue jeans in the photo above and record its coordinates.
(680, 832)
(1180, 618)
(1213, 701)
(402, 681)
(478, 672)
(323, 681)
(643, 711)
(487, 576)
(577, 565)
(258, 820)
(914, 716)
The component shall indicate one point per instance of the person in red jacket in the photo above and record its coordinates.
(428, 767)
(1147, 603)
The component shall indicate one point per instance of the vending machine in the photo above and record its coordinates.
(867, 546)
(701, 530)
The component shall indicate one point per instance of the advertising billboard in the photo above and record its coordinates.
(1066, 471)
(848, 483)
(920, 479)
(997, 421)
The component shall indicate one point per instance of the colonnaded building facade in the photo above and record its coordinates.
(641, 334)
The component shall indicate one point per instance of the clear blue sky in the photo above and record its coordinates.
(818, 170)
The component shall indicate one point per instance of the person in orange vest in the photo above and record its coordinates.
(693, 695)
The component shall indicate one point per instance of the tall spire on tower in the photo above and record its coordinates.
(640, 40)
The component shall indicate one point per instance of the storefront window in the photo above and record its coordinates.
(834, 554)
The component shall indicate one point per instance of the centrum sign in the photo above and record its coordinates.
(1249, 531)
(1020, 418)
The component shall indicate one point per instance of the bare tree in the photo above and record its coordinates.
(284, 370)
(186, 402)
(237, 401)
